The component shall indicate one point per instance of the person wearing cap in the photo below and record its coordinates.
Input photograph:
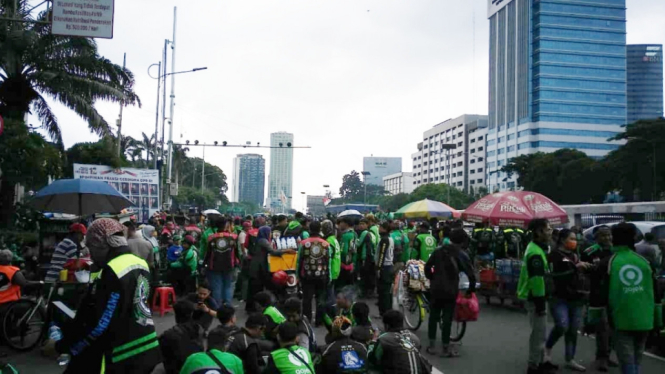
(113, 331)
(11, 278)
(183, 271)
(66, 250)
(424, 243)
(343, 355)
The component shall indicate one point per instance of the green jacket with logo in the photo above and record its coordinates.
(348, 247)
(201, 363)
(365, 244)
(401, 246)
(532, 285)
(424, 245)
(284, 361)
(335, 257)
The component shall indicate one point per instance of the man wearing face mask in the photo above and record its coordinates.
(113, 331)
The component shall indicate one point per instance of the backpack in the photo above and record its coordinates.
(514, 243)
(485, 238)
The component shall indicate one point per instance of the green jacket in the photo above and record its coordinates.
(203, 242)
(284, 361)
(189, 260)
(365, 241)
(532, 276)
(423, 246)
(401, 244)
(201, 363)
(631, 291)
(335, 257)
(348, 247)
(375, 234)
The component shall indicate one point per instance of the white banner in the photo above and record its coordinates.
(88, 18)
(494, 6)
(140, 186)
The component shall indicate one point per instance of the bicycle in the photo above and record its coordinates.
(25, 321)
(415, 305)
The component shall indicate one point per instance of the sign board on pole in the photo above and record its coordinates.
(140, 186)
(87, 18)
(173, 190)
(494, 6)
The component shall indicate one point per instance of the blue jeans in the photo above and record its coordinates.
(221, 285)
(629, 346)
(567, 320)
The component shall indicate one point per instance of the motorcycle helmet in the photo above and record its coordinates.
(280, 278)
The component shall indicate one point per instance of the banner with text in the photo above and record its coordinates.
(88, 18)
(140, 186)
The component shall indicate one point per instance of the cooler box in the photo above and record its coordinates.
(286, 262)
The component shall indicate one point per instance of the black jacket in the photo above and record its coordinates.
(178, 343)
(397, 352)
(443, 268)
(568, 281)
(343, 356)
(241, 344)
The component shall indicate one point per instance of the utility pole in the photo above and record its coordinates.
(159, 81)
(161, 179)
(173, 46)
(122, 104)
(203, 169)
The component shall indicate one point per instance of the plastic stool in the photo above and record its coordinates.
(163, 306)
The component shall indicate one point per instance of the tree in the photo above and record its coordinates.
(439, 192)
(195, 197)
(25, 158)
(191, 175)
(35, 64)
(352, 186)
(148, 145)
(101, 152)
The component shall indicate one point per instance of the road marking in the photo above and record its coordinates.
(648, 354)
(436, 371)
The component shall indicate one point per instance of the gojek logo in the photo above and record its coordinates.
(631, 276)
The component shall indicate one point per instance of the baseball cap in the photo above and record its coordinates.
(189, 239)
(78, 227)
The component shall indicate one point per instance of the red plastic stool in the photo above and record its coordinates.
(163, 306)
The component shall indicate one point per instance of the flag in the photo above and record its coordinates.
(282, 197)
(326, 201)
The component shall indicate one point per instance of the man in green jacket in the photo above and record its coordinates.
(347, 252)
(290, 358)
(366, 266)
(629, 292)
(531, 288)
(215, 361)
(424, 243)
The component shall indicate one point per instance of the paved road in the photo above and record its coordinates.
(495, 344)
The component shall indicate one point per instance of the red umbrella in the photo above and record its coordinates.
(514, 209)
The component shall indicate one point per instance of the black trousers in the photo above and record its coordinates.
(310, 289)
(384, 288)
(255, 286)
(368, 279)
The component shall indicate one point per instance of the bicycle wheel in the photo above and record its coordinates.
(21, 331)
(457, 331)
(414, 311)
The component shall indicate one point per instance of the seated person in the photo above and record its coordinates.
(175, 249)
(215, 360)
(11, 278)
(243, 342)
(66, 250)
(363, 331)
(182, 273)
(206, 306)
(290, 358)
(306, 337)
(398, 349)
(343, 355)
(346, 298)
(264, 302)
(182, 340)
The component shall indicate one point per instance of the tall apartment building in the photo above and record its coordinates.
(249, 172)
(645, 81)
(557, 78)
(452, 152)
(315, 205)
(379, 167)
(280, 180)
(399, 183)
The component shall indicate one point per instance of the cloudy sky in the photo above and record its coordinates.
(350, 78)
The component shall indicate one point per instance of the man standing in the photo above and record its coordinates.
(384, 263)
(222, 260)
(424, 244)
(595, 255)
(366, 266)
(531, 288)
(629, 292)
(401, 242)
(65, 250)
(139, 246)
(347, 253)
(314, 266)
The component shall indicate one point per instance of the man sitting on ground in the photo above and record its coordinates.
(397, 351)
(343, 355)
(290, 358)
(306, 336)
(215, 360)
(182, 340)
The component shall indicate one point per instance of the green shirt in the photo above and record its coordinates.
(203, 243)
(201, 363)
(631, 296)
(532, 274)
(335, 257)
(287, 363)
(425, 244)
(348, 247)
(189, 260)
(362, 245)
(401, 243)
(274, 314)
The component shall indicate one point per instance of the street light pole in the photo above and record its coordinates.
(365, 174)
(159, 84)
(173, 46)
(203, 169)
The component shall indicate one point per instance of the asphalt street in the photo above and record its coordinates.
(496, 343)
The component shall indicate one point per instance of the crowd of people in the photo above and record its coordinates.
(338, 266)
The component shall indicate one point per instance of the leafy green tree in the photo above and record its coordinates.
(352, 186)
(215, 179)
(35, 64)
(25, 158)
(439, 192)
(101, 152)
(195, 197)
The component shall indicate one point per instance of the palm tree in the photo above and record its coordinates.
(148, 145)
(35, 65)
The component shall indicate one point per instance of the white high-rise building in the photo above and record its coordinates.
(280, 180)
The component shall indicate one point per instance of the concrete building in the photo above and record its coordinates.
(452, 152)
(557, 78)
(280, 180)
(249, 175)
(645, 81)
(315, 206)
(379, 167)
(398, 183)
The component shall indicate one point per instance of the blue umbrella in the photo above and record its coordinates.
(80, 197)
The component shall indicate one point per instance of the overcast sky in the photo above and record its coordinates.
(350, 78)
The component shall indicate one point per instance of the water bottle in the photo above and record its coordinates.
(54, 333)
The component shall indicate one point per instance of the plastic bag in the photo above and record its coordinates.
(467, 309)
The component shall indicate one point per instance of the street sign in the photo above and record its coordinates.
(173, 190)
(87, 18)
(2, 125)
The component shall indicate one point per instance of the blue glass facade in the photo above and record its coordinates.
(557, 77)
(645, 82)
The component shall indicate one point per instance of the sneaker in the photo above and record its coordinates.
(449, 352)
(611, 363)
(548, 367)
(547, 355)
(574, 366)
(601, 365)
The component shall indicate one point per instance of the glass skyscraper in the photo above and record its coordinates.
(280, 180)
(645, 81)
(557, 78)
(249, 176)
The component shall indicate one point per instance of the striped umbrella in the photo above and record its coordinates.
(426, 209)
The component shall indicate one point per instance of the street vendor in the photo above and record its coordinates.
(66, 250)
